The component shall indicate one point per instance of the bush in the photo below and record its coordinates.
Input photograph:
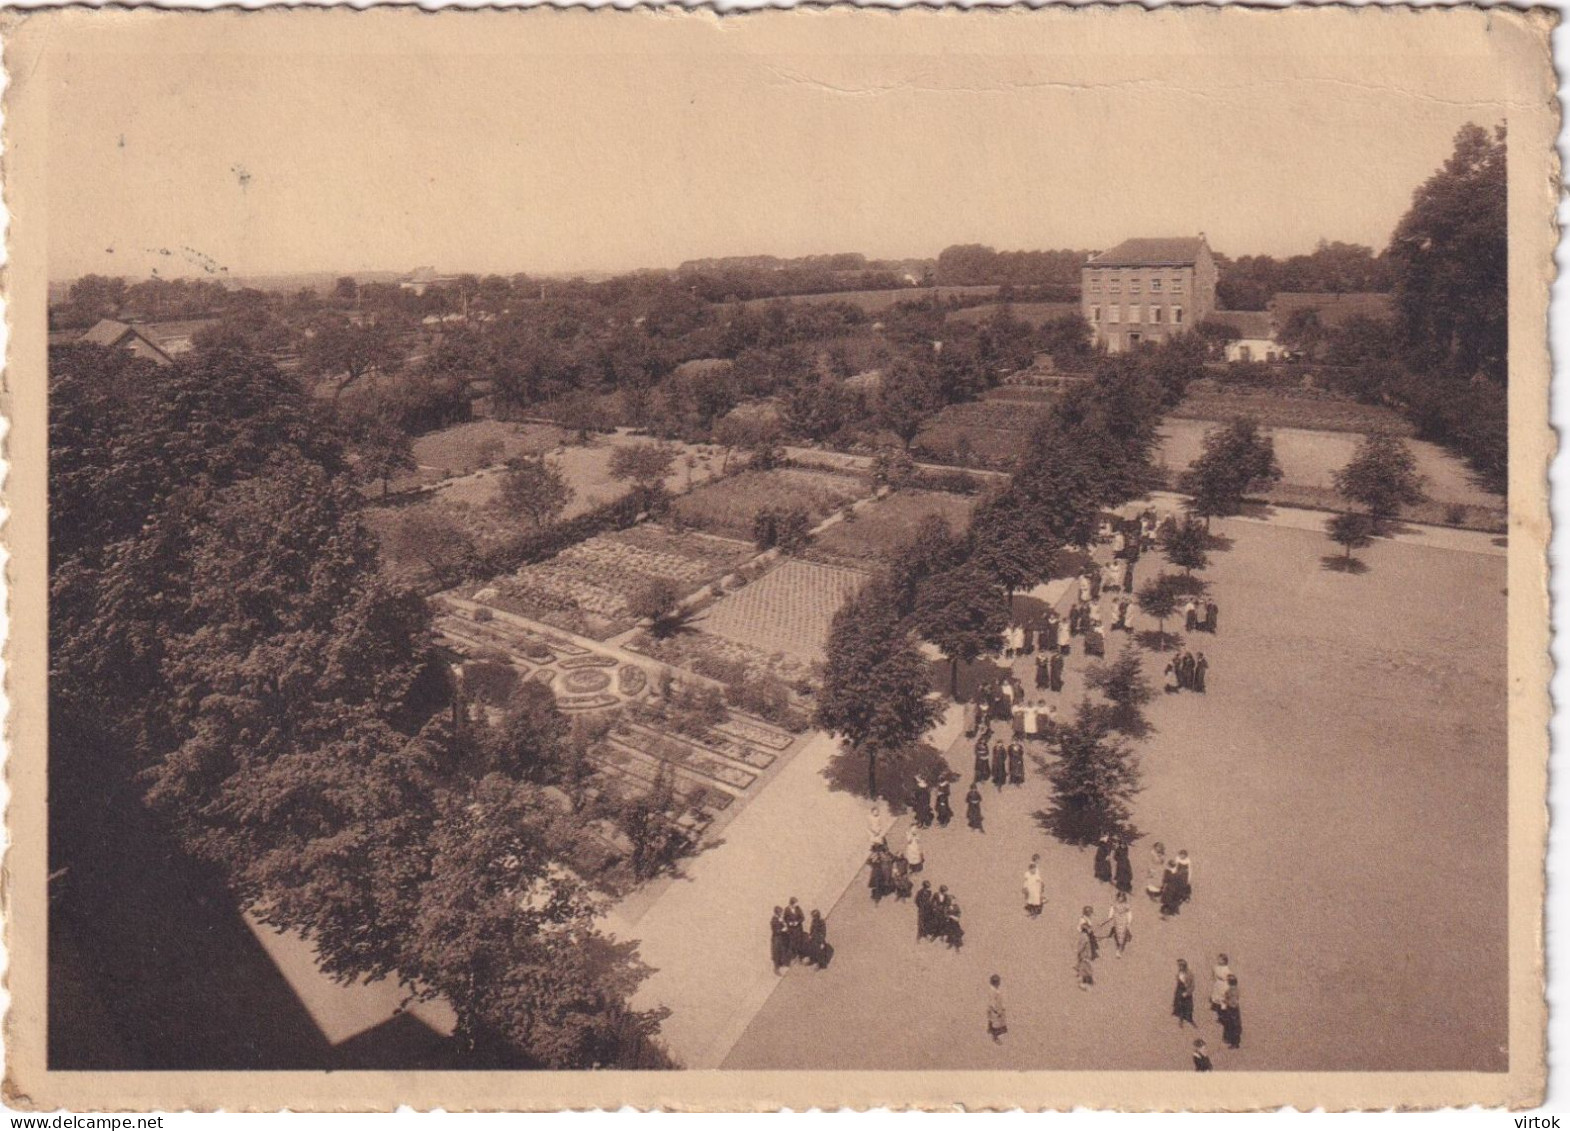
(490, 682)
(954, 482)
(768, 697)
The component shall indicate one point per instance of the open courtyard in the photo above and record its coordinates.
(1341, 788)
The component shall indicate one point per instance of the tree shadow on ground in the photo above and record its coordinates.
(971, 676)
(1340, 563)
(1259, 510)
(1219, 543)
(1078, 827)
(896, 774)
(1500, 541)
(1070, 562)
(1153, 641)
(1391, 527)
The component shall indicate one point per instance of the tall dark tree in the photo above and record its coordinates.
(1095, 778)
(1126, 689)
(1236, 460)
(1382, 476)
(1450, 258)
(963, 613)
(1008, 542)
(875, 682)
(908, 394)
(1183, 543)
(534, 487)
(1350, 531)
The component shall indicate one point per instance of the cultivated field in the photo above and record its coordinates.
(729, 506)
(585, 588)
(873, 302)
(989, 433)
(884, 526)
(1284, 409)
(787, 610)
(1036, 313)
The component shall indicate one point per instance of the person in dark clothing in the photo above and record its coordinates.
(1057, 671)
(1000, 768)
(779, 941)
(1231, 1014)
(878, 873)
(1185, 889)
(983, 767)
(924, 900)
(921, 804)
(948, 919)
(899, 878)
(943, 808)
(1210, 617)
(795, 924)
(1016, 763)
(1201, 1057)
(818, 948)
(1183, 995)
(1122, 868)
(1171, 891)
(1187, 681)
(973, 809)
(1201, 666)
(1103, 864)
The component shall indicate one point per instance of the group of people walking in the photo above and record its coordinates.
(1225, 1004)
(1169, 880)
(794, 939)
(1186, 671)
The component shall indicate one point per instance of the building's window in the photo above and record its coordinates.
(1095, 282)
(1095, 314)
(1155, 285)
(1133, 313)
(1177, 285)
(1133, 285)
(1177, 316)
(1115, 286)
(1155, 314)
(1114, 313)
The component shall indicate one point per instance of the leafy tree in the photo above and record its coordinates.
(655, 600)
(579, 413)
(931, 549)
(1183, 544)
(1094, 780)
(436, 541)
(787, 528)
(1008, 542)
(645, 466)
(962, 612)
(816, 409)
(344, 353)
(1158, 598)
(1450, 258)
(1382, 476)
(384, 450)
(1126, 689)
(1351, 532)
(875, 683)
(536, 488)
(750, 431)
(908, 395)
(1236, 460)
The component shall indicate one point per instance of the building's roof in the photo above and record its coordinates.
(106, 332)
(1255, 325)
(1333, 309)
(1176, 252)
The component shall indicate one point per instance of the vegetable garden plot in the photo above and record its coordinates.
(789, 609)
(729, 506)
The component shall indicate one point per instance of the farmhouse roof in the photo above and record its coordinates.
(106, 332)
(1174, 252)
(1333, 309)
(1254, 325)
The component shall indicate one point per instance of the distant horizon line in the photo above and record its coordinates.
(609, 272)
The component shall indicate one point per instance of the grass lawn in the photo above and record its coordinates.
(1342, 791)
(1308, 458)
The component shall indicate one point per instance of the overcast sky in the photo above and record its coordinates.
(543, 142)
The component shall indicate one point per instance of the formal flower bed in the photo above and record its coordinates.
(584, 681)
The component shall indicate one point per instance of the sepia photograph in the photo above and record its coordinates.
(793, 557)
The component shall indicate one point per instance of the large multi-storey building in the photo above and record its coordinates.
(1146, 290)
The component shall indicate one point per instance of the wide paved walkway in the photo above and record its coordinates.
(707, 936)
